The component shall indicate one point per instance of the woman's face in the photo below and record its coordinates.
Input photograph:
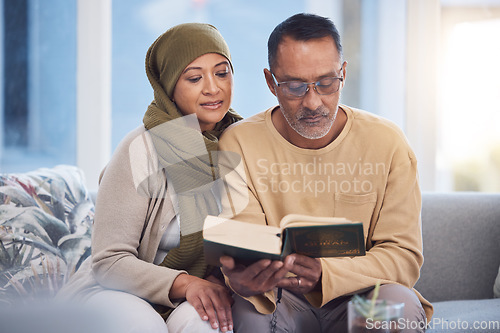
(205, 88)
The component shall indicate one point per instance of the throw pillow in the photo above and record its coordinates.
(45, 225)
(496, 287)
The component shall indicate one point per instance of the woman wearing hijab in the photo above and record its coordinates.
(147, 262)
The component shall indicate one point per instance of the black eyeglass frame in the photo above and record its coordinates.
(307, 84)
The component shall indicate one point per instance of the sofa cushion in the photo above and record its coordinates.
(466, 316)
(46, 218)
(461, 237)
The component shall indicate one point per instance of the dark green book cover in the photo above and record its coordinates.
(335, 240)
(339, 240)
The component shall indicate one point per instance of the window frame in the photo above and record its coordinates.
(93, 88)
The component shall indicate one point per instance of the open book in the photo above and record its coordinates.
(308, 235)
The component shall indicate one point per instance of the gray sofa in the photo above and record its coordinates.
(461, 233)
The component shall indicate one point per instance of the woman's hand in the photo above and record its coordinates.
(211, 300)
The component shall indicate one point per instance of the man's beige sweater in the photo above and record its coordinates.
(368, 174)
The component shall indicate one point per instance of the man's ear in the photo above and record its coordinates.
(270, 81)
(344, 72)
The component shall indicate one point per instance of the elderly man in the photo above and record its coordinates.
(312, 155)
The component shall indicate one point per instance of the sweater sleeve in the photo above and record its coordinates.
(240, 202)
(123, 213)
(240, 198)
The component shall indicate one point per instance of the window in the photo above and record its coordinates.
(246, 26)
(469, 118)
(73, 80)
(38, 90)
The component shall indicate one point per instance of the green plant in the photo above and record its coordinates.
(368, 307)
(374, 315)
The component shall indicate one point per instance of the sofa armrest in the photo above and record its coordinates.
(461, 235)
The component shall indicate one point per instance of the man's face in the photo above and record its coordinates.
(312, 116)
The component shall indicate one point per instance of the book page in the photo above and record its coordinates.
(251, 236)
(297, 220)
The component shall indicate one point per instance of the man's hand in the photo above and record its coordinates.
(308, 271)
(255, 279)
(211, 300)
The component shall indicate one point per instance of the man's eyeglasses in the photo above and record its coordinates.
(296, 89)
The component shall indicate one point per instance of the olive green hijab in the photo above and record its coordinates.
(168, 57)
(188, 156)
